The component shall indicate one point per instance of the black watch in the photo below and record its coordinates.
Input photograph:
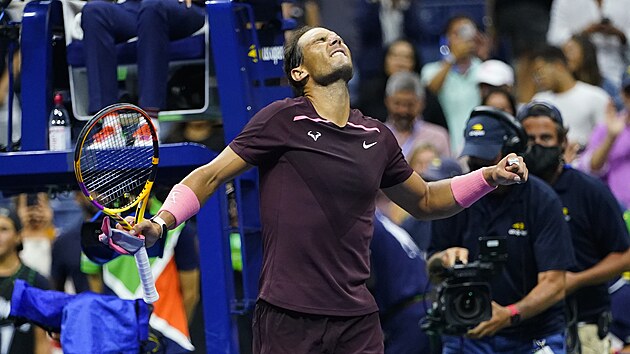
(158, 220)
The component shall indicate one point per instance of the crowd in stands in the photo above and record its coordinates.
(572, 55)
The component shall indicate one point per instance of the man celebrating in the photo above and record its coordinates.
(321, 165)
(599, 233)
(527, 308)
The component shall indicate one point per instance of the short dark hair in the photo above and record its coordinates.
(458, 17)
(541, 108)
(293, 57)
(550, 54)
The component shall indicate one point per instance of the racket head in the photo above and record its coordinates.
(116, 158)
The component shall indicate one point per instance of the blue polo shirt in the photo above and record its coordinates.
(538, 240)
(398, 266)
(597, 229)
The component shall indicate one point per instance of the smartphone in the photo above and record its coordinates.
(32, 199)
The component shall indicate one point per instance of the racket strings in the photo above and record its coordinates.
(117, 158)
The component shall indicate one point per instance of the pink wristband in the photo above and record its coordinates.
(182, 203)
(469, 188)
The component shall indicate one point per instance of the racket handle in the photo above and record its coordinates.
(146, 276)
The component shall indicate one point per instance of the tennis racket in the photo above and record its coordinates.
(115, 163)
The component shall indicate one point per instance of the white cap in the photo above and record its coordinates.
(495, 73)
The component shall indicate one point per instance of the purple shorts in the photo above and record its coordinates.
(277, 331)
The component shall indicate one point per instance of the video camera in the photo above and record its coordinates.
(464, 298)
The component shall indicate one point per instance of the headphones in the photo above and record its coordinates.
(516, 140)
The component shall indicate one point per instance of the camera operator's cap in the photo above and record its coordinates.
(12, 215)
(625, 79)
(540, 108)
(484, 137)
(442, 168)
(495, 72)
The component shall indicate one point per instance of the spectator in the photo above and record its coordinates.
(204, 132)
(582, 61)
(381, 23)
(600, 237)
(582, 105)
(155, 23)
(38, 231)
(494, 74)
(527, 308)
(399, 283)
(607, 152)
(512, 29)
(501, 99)
(26, 338)
(405, 102)
(607, 23)
(453, 79)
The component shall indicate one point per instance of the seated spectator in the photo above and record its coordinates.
(454, 79)
(155, 23)
(582, 61)
(501, 99)
(204, 132)
(582, 105)
(494, 74)
(405, 102)
(607, 152)
(38, 231)
(27, 338)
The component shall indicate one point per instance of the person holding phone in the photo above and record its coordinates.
(454, 78)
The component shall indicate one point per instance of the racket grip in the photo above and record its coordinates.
(146, 276)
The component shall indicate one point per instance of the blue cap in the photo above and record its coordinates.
(484, 137)
(540, 108)
(442, 168)
(625, 79)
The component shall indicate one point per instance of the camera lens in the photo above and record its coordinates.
(468, 305)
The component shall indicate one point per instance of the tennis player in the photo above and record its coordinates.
(321, 164)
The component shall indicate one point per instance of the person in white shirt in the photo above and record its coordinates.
(582, 105)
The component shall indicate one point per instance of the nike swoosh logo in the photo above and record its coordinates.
(367, 146)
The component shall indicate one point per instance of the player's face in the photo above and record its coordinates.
(541, 130)
(9, 237)
(326, 58)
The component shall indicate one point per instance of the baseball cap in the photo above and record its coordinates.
(442, 168)
(495, 72)
(625, 79)
(540, 108)
(484, 137)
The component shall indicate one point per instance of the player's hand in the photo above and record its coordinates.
(150, 230)
(510, 170)
(501, 318)
(454, 254)
(187, 2)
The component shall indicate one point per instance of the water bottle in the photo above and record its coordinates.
(59, 137)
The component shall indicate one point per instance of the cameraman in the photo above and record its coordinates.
(527, 307)
(600, 236)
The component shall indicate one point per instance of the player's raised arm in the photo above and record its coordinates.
(185, 198)
(445, 198)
